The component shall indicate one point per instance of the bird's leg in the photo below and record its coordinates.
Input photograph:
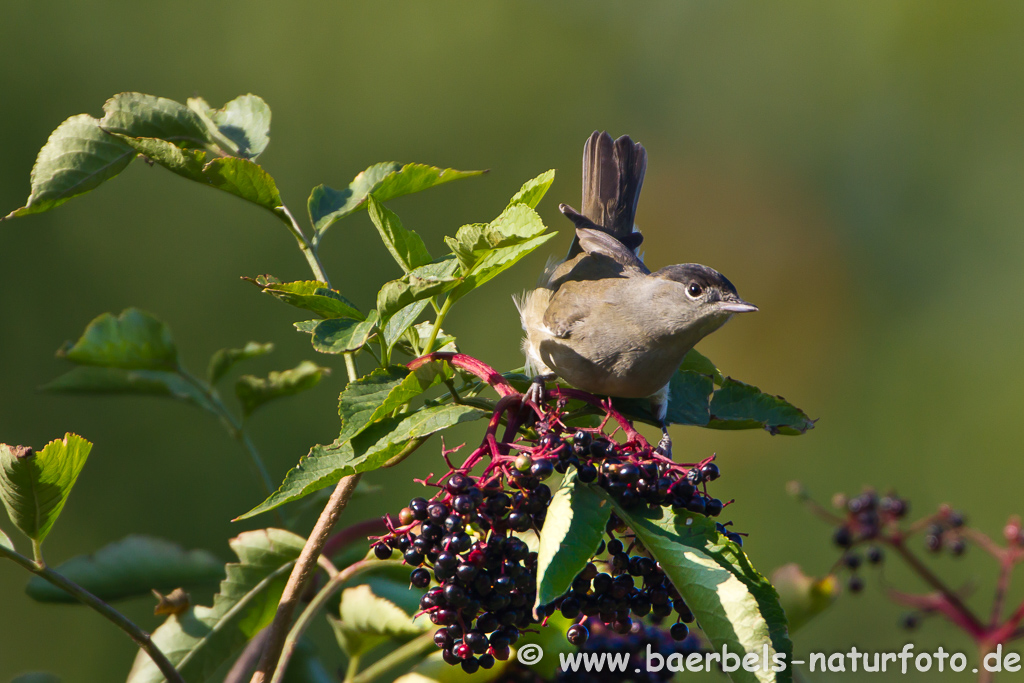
(537, 394)
(665, 445)
(659, 404)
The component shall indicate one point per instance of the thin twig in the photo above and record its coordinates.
(309, 247)
(301, 573)
(977, 629)
(140, 637)
(410, 650)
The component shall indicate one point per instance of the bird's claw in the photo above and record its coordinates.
(537, 393)
(665, 445)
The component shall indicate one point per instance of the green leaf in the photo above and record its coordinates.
(35, 485)
(309, 295)
(5, 540)
(735, 606)
(534, 190)
(364, 400)
(416, 337)
(368, 620)
(78, 157)
(405, 246)
(742, 406)
(114, 381)
(199, 641)
(326, 465)
(395, 327)
(803, 597)
(341, 335)
(134, 340)
(255, 391)
(130, 567)
(223, 360)
(699, 363)
(138, 115)
(419, 285)
(385, 180)
(571, 534)
(241, 127)
(240, 177)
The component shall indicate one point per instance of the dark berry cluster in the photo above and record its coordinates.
(635, 642)
(632, 586)
(485, 575)
(867, 516)
(944, 532)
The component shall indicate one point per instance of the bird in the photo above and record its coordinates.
(599, 319)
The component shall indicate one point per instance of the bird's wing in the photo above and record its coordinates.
(599, 244)
(569, 306)
(613, 173)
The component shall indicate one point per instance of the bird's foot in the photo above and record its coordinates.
(665, 445)
(537, 393)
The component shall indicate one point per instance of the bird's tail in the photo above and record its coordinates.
(613, 173)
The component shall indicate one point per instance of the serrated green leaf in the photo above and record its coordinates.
(534, 190)
(199, 641)
(496, 262)
(416, 337)
(115, 381)
(368, 620)
(241, 127)
(253, 391)
(341, 335)
(405, 246)
(735, 606)
(326, 465)
(362, 401)
(77, 157)
(241, 177)
(134, 340)
(309, 295)
(224, 359)
(385, 180)
(405, 291)
(138, 115)
(130, 567)
(803, 597)
(35, 485)
(697, 362)
(571, 534)
(396, 326)
(742, 406)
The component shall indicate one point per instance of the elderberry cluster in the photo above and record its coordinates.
(633, 586)
(486, 588)
(635, 643)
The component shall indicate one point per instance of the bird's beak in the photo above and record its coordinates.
(738, 306)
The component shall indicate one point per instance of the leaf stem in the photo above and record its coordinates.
(414, 648)
(437, 324)
(301, 573)
(350, 367)
(140, 637)
(352, 669)
(309, 248)
(332, 586)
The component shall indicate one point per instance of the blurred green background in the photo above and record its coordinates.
(855, 168)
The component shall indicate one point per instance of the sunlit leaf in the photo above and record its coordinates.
(368, 620)
(34, 485)
(201, 640)
(309, 295)
(139, 115)
(326, 465)
(253, 392)
(735, 606)
(405, 246)
(130, 567)
(77, 158)
(572, 531)
(115, 381)
(419, 285)
(803, 597)
(224, 359)
(741, 406)
(416, 337)
(241, 127)
(396, 326)
(5, 540)
(534, 190)
(385, 180)
(341, 335)
(134, 340)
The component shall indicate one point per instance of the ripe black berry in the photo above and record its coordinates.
(679, 631)
(577, 635)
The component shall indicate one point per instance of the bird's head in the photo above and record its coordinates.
(697, 300)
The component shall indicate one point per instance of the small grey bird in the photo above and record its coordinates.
(600, 319)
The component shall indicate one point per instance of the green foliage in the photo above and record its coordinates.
(98, 381)
(571, 535)
(131, 567)
(223, 360)
(200, 640)
(35, 485)
(134, 340)
(405, 246)
(309, 295)
(367, 620)
(340, 335)
(385, 180)
(253, 392)
(803, 597)
(735, 606)
(5, 540)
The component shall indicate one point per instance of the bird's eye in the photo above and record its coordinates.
(694, 290)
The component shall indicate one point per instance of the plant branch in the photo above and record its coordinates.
(301, 573)
(437, 324)
(140, 637)
(411, 650)
(309, 248)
